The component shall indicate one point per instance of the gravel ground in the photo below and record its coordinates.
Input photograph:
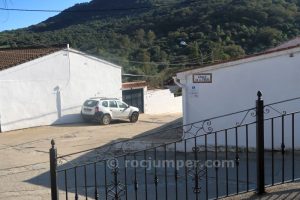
(24, 153)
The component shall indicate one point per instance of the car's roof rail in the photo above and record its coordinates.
(104, 98)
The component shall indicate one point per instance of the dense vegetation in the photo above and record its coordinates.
(156, 37)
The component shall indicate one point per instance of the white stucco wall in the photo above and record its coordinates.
(162, 102)
(234, 88)
(51, 89)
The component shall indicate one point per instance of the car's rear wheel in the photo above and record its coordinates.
(134, 117)
(106, 119)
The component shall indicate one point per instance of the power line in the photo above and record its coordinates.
(94, 10)
(179, 63)
(100, 10)
(192, 61)
(141, 62)
(73, 11)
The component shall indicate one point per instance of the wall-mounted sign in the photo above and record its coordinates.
(194, 92)
(202, 78)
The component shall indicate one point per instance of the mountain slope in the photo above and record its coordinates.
(159, 35)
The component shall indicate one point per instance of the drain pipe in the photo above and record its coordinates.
(178, 83)
(184, 102)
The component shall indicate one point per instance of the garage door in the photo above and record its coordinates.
(134, 97)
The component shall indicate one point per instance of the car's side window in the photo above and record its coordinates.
(105, 104)
(122, 105)
(113, 104)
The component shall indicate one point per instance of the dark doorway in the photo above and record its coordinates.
(134, 97)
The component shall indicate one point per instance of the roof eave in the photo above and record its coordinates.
(251, 58)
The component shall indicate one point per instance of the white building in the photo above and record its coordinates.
(154, 102)
(44, 86)
(232, 86)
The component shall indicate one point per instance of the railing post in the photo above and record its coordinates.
(53, 166)
(260, 158)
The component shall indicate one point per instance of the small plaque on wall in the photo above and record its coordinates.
(202, 78)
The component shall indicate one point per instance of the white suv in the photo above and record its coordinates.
(103, 110)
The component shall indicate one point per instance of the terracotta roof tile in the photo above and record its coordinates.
(139, 84)
(15, 56)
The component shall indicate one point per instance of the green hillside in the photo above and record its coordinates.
(154, 37)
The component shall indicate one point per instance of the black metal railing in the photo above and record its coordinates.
(218, 157)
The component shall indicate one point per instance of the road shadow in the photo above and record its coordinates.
(279, 192)
(113, 148)
(84, 124)
(87, 171)
(101, 174)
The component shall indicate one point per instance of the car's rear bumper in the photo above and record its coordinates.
(96, 117)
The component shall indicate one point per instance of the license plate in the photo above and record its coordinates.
(87, 109)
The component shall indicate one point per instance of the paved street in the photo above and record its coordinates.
(281, 192)
(24, 153)
(24, 165)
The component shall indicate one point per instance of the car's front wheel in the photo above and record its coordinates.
(106, 119)
(134, 117)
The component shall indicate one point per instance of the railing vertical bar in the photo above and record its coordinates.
(135, 180)
(176, 172)
(145, 176)
(196, 178)
(226, 158)
(282, 148)
(85, 183)
(216, 168)
(186, 172)
(76, 189)
(237, 159)
(66, 183)
(155, 175)
(125, 177)
(260, 149)
(115, 172)
(247, 155)
(95, 182)
(53, 171)
(272, 134)
(206, 175)
(105, 178)
(166, 173)
(293, 147)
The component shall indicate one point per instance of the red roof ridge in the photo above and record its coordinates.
(10, 57)
(136, 84)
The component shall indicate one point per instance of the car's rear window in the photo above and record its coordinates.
(90, 103)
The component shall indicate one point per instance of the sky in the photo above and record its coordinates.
(12, 19)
